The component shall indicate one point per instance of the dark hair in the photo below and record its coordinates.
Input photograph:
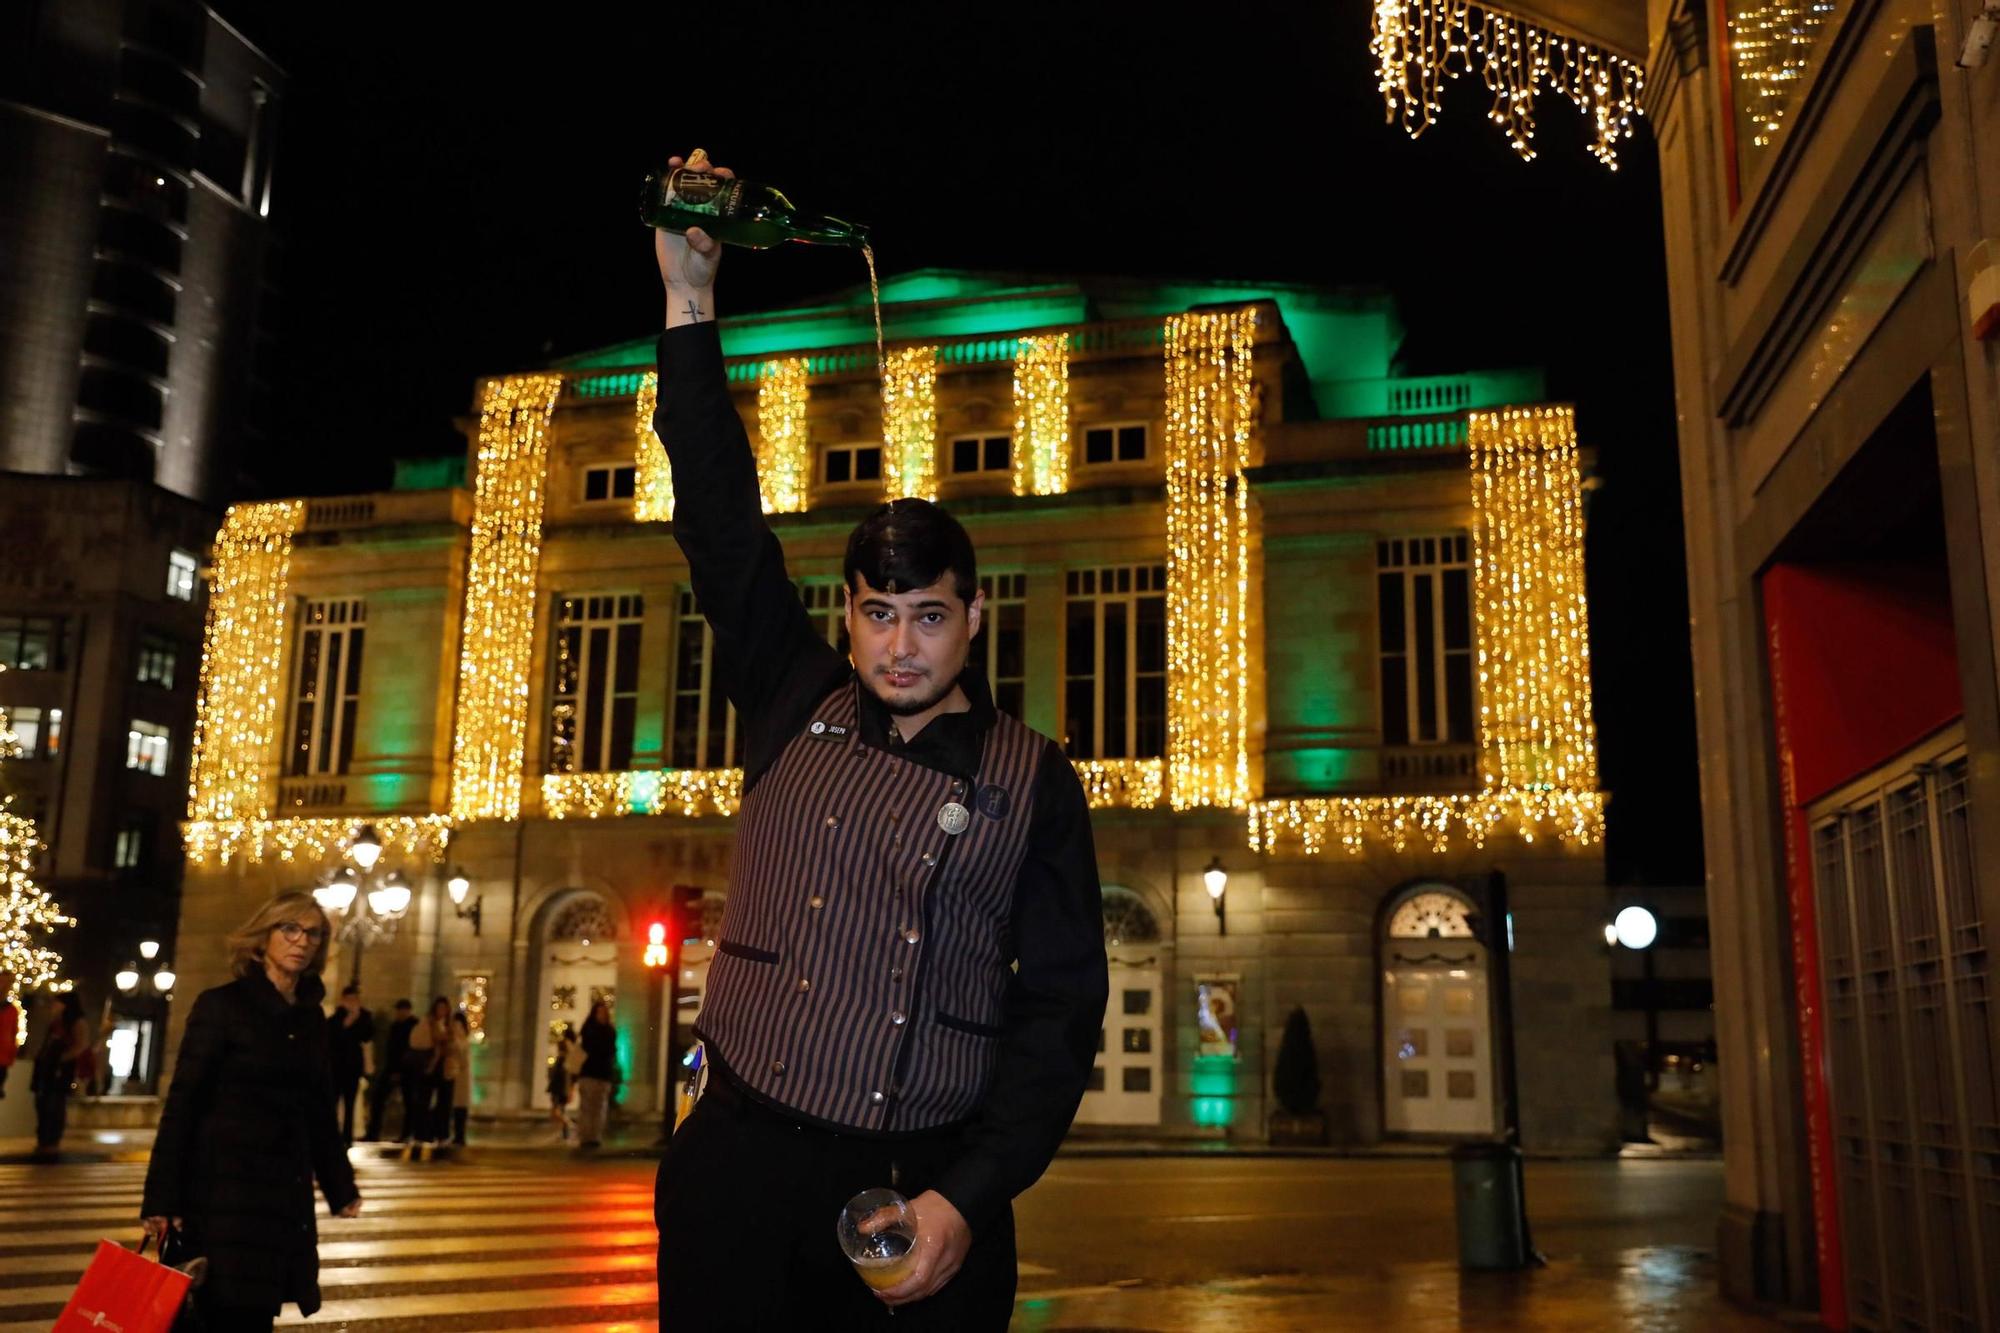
(351, 988)
(402, 1004)
(440, 1000)
(71, 1005)
(460, 1019)
(909, 544)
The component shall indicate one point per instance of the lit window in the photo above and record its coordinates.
(156, 661)
(609, 483)
(982, 453)
(1424, 611)
(326, 695)
(147, 745)
(30, 643)
(704, 724)
(1001, 650)
(594, 699)
(1115, 663)
(182, 570)
(1119, 442)
(847, 464)
(130, 847)
(36, 732)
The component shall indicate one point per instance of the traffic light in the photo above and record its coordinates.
(656, 954)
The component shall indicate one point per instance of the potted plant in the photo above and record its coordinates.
(1295, 1080)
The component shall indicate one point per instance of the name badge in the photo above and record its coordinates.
(827, 731)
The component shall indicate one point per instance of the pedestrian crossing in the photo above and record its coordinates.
(539, 1242)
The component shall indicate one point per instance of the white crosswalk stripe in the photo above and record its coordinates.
(520, 1244)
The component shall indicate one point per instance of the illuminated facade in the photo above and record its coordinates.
(1835, 293)
(1247, 572)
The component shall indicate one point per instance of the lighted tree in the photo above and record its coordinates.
(28, 915)
(10, 740)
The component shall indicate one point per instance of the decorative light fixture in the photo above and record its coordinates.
(163, 980)
(220, 841)
(681, 791)
(149, 949)
(1041, 414)
(1215, 879)
(127, 978)
(242, 649)
(336, 894)
(490, 741)
(1420, 45)
(458, 884)
(1211, 407)
(28, 915)
(909, 423)
(653, 480)
(784, 464)
(1134, 784)
(390, 901)
(1636, 928)
(366, 849)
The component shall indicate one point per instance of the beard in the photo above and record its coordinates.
(911, 705)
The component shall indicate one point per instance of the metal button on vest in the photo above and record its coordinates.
(875, 1097)
(777, 1066)
(930, 858)
(804, 984)
(895, 974)
(912, 935)
(958, 789)
(899, 1018)
(816, 902)
(833, 821)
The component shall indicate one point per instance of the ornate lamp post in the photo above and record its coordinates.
(367, 910)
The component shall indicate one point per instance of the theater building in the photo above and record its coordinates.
(1312, 631)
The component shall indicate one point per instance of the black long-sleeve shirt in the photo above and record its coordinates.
(777, 667)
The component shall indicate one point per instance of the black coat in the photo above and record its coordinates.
(600, 1051)
(248, 1124)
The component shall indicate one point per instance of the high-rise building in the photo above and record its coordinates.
(136, 146)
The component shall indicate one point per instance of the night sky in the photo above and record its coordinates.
(456, 199)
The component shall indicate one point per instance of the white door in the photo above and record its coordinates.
(579, 967)
(1125, 1083)
(1438, 1048)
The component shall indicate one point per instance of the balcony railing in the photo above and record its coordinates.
(1429, 768)
(295, 794)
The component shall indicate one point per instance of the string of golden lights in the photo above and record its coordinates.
(241, 669)
(677, 791)
(1436, 823)
(1133, 784)
(784, 462)
(909, 423)
(1211, 413)
(652, 479)
(1769, 47)
(1421, 45)
(489, 746)
(217, 842)
(1041, 414)
(27, 913)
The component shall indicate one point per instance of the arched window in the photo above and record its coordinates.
(584, 920)
(1432, 913)
(1127, 919)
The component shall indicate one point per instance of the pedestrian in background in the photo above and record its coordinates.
(389, 1072)
(350, 1039)
(446, 1041)
(65, 1046)
(421, 1068)
(560, 1076)
(10, 1028)
(600, 1071)
(458, 1073)
(249, 1124)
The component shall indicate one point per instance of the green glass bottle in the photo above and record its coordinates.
(737, 212)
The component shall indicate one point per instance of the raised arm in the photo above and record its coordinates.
(767, 648)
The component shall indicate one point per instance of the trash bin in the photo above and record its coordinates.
(1486, 1184)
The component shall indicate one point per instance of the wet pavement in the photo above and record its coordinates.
(1112, 1244)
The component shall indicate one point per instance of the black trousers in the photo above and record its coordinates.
(346, 1089)
(746, 1203)
(51, 1112)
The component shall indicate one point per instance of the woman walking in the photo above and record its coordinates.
(249, 1123)
(458, 1075)
(559, 1079)
(600, 1071)
(64, 1046)
(428, 1040)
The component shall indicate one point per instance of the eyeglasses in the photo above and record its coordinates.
(294, 932)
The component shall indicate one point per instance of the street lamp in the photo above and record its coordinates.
(163, 980)
(376, 911)
(127, 978)
(458, 885)
(1635, 928)
(366, 849)
(149, 949)
(1216, 880)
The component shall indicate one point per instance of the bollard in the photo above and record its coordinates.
(1486, 1186)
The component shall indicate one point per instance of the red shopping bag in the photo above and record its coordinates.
(124, 1292)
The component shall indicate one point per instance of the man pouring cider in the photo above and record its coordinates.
(910, 974)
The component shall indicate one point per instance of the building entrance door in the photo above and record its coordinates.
(1437, 1031)
(579, 965)
(1126, 1081)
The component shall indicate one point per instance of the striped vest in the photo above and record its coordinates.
(861, 975)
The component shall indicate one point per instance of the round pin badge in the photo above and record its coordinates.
(819, 728)
(953, 818)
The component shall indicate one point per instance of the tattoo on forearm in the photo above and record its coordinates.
(694, 311)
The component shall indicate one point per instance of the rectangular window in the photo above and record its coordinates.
(1117, 442)
(1423, 591)
(846, 464)
(1001, 650)
(37, 733)
(182, 571)
(827, 608)
(594, 698)
(326, 694)
(130, 848)
(982, 453)
(1115, 663)
(610, 483)
(156, 661)
(148, 747)
(31, 643)
(704, 724)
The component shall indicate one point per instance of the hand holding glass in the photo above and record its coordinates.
(878, 1233)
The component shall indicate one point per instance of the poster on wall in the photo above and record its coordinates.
(1215, 1015)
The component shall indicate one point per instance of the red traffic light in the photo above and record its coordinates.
(656, 945)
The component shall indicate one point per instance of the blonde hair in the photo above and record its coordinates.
(246, 942)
